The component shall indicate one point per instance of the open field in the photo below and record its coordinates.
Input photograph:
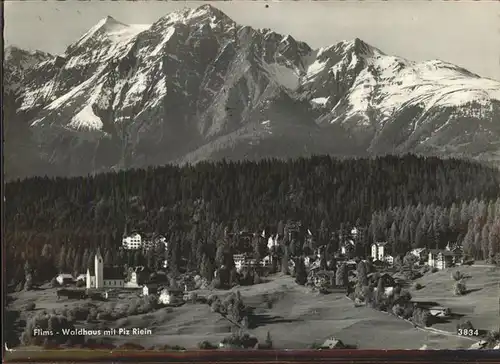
(481, 305)
(296, 319)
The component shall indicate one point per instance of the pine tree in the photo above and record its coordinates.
(284, 260)
(380, 291)
(494, 240)
(485, 241)
(207, 268)
(362, 273)
(300, 272)
(341, 276)
(62, 259)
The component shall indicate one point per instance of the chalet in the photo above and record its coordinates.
(272, 242)
(81, 277)
(386, 279)
(420, 253)
(293, 229)
(347, 248)
(170, 296)
(153, 241)
(333, 343)
(442, 259)
(389, 259)
(454, 247)
(267, 261)
(351, 264)
(441, 312)
(309, 260)
(378, 251)
(148, 289)
(65, 278)
(379, 263)
(242, 261)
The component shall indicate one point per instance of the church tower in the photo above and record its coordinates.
(99, 268)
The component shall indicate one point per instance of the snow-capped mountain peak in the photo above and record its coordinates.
(107, 30)
(205, 14)
(195, 85)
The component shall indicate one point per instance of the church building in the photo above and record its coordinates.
(104, 277)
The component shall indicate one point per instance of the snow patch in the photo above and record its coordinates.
(320, 100)
(170, 31)
(315, 68)
(284, 76)
(86, 118)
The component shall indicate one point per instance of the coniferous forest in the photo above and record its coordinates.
(56, 224)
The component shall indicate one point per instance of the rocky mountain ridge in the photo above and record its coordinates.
(197, 86)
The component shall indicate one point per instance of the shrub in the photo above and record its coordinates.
(396, 291)
(457, 275)
(410, 260)
(216, 283)
(421, 317)
(256, 279)
(104, 316)
(269, 341)
(404, 296)
(493, 337)
(178, 348)
(243, 341)
(217, 307)
(49, 322)
(131, 346)
(30, 306)
(467, 325)
(206, 345)
(425, 269)
(418, 286)
(192, 297)
(211, 298)
(398, 310)
(267, 301)
(28, 284)
(245, 322)
(315, 346)
(459, 288)
(411, 275)
(434, 270)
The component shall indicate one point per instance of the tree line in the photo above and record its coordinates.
(56, 224)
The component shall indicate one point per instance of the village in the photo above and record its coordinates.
(379, 281)
(109, 279)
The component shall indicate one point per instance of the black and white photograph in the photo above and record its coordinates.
(251, 175)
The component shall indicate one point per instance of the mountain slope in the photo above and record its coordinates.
(195, 85)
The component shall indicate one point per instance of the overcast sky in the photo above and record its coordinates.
(465, 33)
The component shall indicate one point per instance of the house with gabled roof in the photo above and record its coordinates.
(442, 259)
(378, 250)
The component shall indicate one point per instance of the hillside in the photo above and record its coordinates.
(408, 201)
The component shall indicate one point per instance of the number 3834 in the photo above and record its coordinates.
(468, 332)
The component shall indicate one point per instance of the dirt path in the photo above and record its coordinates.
(447, 333)
(426, 329)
